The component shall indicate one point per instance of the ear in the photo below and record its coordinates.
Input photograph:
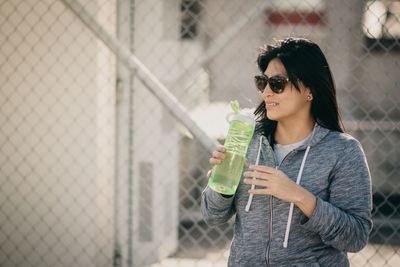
(309, 96)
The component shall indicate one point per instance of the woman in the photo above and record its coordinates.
(308, 202)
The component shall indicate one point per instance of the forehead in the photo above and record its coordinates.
(275, 67)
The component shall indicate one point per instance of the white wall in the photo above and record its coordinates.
(155, 137)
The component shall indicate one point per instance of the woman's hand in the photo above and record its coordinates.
(217, 157)
(277, 184)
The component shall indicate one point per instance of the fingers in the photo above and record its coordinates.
(259, 175)
(221, 148)
(265, 169)
(263, 183)
(218, 155)
(214, 161)
(217, 158)
(258, 191)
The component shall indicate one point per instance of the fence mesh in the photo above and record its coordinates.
(101, 166)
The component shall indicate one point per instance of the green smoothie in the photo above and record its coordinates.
(226, 176)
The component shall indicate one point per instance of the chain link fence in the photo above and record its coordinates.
(109, 110)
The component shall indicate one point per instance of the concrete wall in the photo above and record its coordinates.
(155, 156)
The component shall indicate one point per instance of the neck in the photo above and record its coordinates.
(292, 132)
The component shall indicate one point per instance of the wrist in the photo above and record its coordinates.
(301, 196)
(306, 201)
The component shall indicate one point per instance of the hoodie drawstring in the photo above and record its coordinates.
(253, 186)
(285, 242)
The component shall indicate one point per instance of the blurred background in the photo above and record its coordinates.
(109, 111)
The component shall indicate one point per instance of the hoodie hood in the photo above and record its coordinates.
(317, 135)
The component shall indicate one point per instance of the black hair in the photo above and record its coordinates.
(305, 62)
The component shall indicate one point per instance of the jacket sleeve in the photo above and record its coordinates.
(215, 208)
(344, 220)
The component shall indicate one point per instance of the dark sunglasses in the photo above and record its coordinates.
(276, 83)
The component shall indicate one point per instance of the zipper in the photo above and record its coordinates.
(270, 217)
(271, 202)
(270, 228)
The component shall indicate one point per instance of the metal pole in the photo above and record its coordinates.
(155, 86)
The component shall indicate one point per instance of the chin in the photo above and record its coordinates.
(272, 117)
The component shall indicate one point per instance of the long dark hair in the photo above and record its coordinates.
(304, 61)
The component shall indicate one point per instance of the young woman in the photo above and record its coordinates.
(308, 202)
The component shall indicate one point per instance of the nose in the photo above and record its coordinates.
(267, 91)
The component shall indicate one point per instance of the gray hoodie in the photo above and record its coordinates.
(335, 170)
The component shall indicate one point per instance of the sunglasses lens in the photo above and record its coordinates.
(277, 84)
(261, 82)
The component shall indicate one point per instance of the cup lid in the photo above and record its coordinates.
(249, 118)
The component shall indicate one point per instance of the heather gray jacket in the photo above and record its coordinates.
(336, 172)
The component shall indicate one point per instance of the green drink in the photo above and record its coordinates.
(226, 176)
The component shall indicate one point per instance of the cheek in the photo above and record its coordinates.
(292, 104)
(299, 103)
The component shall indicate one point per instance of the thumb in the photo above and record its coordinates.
(246, 163)
(209, 174)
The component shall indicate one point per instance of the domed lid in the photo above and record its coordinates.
(247, 117)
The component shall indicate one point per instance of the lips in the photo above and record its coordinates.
(270, 105)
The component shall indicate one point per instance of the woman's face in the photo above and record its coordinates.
(290, 105)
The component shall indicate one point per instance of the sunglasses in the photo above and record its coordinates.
(276, 83)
